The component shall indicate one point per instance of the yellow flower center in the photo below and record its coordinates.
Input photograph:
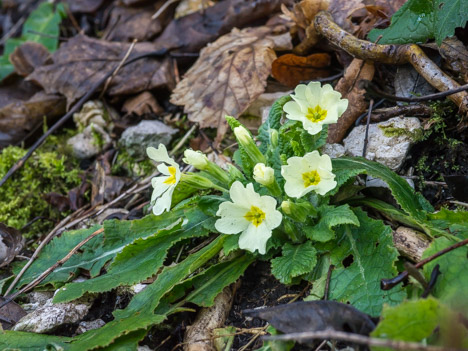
(310, 178)
(171, 180)
(255, 216)
(316, 114)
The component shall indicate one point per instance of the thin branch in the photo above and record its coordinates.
(372, 88)
(70, 113)
(44, 274)
(387, 284)
(366, 136)
(358, 339)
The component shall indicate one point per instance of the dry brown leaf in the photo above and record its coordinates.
(455, 54)
(28, 56)
(229, 74)
(82, 61)
(348, 86)
(23, 107)
(84, 6)
(193, 32)
(142, 104)
(291, 69)
(128, 23)
(11, 244)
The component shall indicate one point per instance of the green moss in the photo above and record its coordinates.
(391, 131)
(130, 166)
(50, 169)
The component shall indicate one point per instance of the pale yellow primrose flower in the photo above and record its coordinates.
(253, 215)
(315, 106)
(263, 175)
(164, 185)
(309, 173)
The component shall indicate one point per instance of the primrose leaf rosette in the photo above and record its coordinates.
(309, 173)
(164, 185)
(315, 106)
(250, 214)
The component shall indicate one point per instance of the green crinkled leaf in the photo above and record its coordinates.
(126, 342)
(13, 340)
(209, 284)
(454, 221)
(452, 285)
(401, 190)
(103, 248)
(409, 321)
(137, 261)
(231, 244)
(331, 216)
(294, 261)
(419, 20)
(362, 256)
(273, 122)
(42, 26)
(149, 299)
(314, 142)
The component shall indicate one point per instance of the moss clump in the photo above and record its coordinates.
(391, 131)
(21, 197)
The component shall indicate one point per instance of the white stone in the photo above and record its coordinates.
(333, 150)
(138, 288)
(264, 100)
(83, 327)
(144, 348)
(136, 139)
(50, 316)
(388, 150)
(37, 299)
(89, 142)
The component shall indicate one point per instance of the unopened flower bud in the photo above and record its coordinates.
(263, 174)
(196, 159)
(274, 137)
(246, 141)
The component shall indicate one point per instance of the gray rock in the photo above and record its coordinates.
(136, 139)
(49, 316)
(389, 150)
(372, 182)
(333, 150)
(261, 106)
(37, 299)
(89, 142)
(83, 327)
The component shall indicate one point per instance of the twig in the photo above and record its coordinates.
(358, 339)
(109, 80)
(361, 117)
(327, 283)
(366, 137)
(434, 275)
(372, 88)
(51, 269)
(390, 54)
(321, 345)
(459, 203)
(163, 8)
(70, 113)
(387, 284)
(12, 30)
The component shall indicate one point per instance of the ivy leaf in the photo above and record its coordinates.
(331, 216)
(419, 20)
(409, 321)
(452, 284)
(362, 256)
(295, 261)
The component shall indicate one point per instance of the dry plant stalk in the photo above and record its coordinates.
(198, 336)
(410, 243)
(390, 54)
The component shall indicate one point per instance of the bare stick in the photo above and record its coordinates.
(366, 137)
(358, 339)
(387, 284)
(70, 113)
(390, 54)
(51, 269)
(163, 8)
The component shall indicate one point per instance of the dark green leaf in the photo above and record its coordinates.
(294, 261)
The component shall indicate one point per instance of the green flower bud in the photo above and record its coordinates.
(298, 211)
(274, 138)
(246, 141)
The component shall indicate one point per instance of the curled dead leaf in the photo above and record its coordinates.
(229, 74)
(10, 314)
(82, 61)
(349, 88)
(187, 7)
(141, 104)
(11, 244)
(291, 69)
(28, 56)
(23, 107)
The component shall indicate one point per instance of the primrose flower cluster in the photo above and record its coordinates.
(260, 195)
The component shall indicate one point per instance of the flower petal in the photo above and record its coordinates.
(255, 238)
(160, 154)
(293, 110)
(163, 203)
(159, 187)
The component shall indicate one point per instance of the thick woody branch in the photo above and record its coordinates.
(390, 54)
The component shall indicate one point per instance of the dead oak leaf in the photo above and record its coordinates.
(229, 74)
(291, 69)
